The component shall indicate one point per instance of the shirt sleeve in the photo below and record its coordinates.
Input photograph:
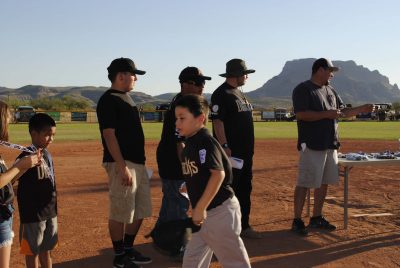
(218, 106)
(213, 156)
(107, 113)
(300, 99)
(339, 101)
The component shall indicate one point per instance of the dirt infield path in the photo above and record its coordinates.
(368, 242)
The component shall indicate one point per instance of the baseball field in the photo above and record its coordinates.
(371, 240)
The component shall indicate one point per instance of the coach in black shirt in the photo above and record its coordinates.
(123, 142)
(233, 127)
(175, 205)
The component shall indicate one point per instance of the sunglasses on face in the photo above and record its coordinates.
(197, 83)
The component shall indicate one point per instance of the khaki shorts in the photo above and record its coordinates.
(129, 203)
(317, 168)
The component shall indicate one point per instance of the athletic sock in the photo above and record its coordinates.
(128, 241)
(118, 247)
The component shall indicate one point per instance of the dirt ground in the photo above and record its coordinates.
(368, 241)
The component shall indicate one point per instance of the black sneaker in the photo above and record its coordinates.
(321, 223)
(137, 257)
(123, 261)
(299, 228)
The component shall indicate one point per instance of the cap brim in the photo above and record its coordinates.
(204, 77)
(139, 72)
(334, 69)
(236, 75)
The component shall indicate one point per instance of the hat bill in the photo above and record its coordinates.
(237, 74)
(334, 69)
(203, 77)
(139, 72)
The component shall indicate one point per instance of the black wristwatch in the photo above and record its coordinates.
(225, 145)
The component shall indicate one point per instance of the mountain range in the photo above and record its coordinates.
(355, 84)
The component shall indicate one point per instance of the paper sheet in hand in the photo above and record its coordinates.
(236, 162)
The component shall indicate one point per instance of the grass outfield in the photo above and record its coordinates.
(263, 130)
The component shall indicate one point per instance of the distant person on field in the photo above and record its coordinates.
(174, 204)
(232, 118)
(208, 175)
(317, 107)
(37, 198)
(124, 158)
(6, 189)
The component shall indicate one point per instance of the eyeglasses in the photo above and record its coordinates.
(197, 83)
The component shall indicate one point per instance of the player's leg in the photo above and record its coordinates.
(31, 237)
(6, 239)
(319, 199)
(131, 230)
(118, 213)
(50, 242)
(300, 194)
(243, 191)
(198, 253)
(222, 233)
(32, 261)
(140, 201)
(330, 177)
(310, 174)
(45, 259)
(5, 252)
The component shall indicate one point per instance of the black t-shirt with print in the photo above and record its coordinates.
(229, 105)
(202, 153)
(321, 134)
(116, 110)
(36, 193)
(169, 165)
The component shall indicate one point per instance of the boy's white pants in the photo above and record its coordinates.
(219, 234)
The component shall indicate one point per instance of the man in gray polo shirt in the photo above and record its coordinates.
(317, 107)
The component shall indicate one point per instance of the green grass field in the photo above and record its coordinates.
(263, 130)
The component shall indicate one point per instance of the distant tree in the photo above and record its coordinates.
(66, 103)
(148, 107)
(14, 102)
(396, 106)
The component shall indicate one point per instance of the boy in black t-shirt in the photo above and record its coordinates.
(37, 198)
(208, 175)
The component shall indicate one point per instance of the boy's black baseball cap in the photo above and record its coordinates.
(123, 65)
(192, 74)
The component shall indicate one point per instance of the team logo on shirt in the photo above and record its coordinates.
(244, 106)
(189, 167)
(202, 155)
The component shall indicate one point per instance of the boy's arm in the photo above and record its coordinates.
(199, 213)
(113, 148)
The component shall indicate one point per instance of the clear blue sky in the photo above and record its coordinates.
(71, 42)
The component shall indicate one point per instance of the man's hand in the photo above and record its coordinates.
(333, 114)
(124, 174)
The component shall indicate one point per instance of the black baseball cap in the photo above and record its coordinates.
(191, 73)
(324, 63)
(123, 65)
